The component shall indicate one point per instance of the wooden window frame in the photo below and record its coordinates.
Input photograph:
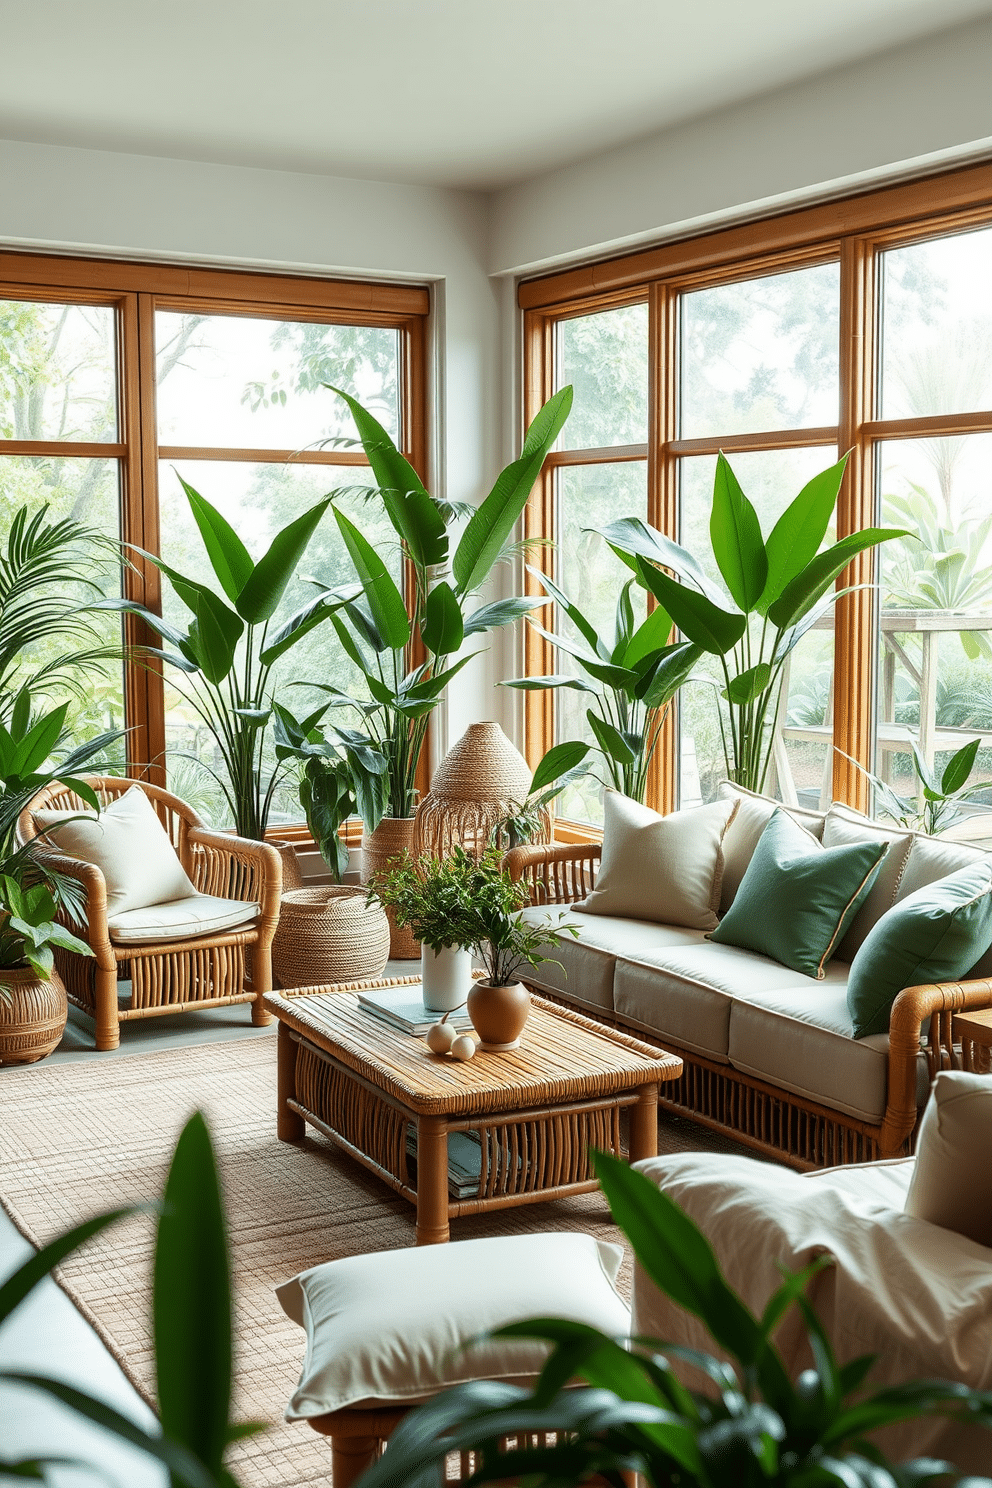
(136, 291)
(852, 231)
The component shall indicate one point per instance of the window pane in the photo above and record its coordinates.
(761, 354)
(803, 770)
(935, 682)
(591, 495)
(605, 358)
(937, 327)
(57, 372)
(239, 383)
(259, 500)
(86, 491)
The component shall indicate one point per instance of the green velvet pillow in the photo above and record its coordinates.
(797, 898)
(934, 935)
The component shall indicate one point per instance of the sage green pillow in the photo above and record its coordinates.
(933, 935)
(797, 897)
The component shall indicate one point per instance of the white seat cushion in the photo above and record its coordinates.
(588, 964)
(389, 1328)
(180, 919)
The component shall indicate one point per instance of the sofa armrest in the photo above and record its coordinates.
(915, 1006)
(237, 868)
(557, 873)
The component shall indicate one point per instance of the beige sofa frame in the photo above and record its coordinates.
(765, 1117)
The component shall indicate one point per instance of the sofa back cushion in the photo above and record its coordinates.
(950, 1185)
(845, 828)
(752, 816)
(665, 868)
(935, 857)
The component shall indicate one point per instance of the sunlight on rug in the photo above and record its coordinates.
(77, 1138)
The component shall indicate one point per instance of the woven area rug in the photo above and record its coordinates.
(77, 1138)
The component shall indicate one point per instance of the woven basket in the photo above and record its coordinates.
(328, 934)
(390, 840)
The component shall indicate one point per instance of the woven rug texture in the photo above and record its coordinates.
(79, 1138)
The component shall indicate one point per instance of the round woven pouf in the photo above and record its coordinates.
(328, 934)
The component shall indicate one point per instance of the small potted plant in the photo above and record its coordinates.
(431, 897)
(33, 1005)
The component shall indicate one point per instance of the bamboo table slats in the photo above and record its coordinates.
(535, 1112)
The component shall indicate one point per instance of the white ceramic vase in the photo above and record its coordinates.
(447, 977)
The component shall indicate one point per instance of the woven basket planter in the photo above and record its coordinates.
(33, 1011)
(328, 934)
(391, 838)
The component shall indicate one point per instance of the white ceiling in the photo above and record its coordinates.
(448, 92)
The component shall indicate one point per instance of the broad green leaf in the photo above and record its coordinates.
(926, 774)
(959, 767)
(153, 621)
(490, 525)
(37, 744)
(20, 716)
(624, 627)
(610, 740)
(603, 671)
(350, 646)
(585, 627)
(631, 538)
(502, 612)
(666, 676)
(217, 631)
(259, 599)
(192, 1301)
(799, 531)
(735, 534)
(360, 615)
(715, 629)
(747, 686)
(430, 688)
(414, 516)
(188, 590)
(229, 557)
(801, 593)
(651, 635)
(307, 618)
(546, 684)
(443, 629)
(384, 599)
(558, 760)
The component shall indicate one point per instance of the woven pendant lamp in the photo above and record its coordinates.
(478, 783)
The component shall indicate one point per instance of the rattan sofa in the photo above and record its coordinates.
(168, 975)
(768, 1055)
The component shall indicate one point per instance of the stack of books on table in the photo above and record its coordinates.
(403, 1007)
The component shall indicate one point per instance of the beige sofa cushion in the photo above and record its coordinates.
(950, 1184)
(183, 919)
(588, 964)
(128, 844)
(752, 816)
(664, 868)
(843, 827)
(685, 993)
(390, 1328)
(804, 1041)
(918, 1297)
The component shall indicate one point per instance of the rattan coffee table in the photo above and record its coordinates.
(535, 1111)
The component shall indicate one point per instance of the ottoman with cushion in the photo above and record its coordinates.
(388, 1330)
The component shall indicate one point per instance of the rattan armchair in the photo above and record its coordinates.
(796, 1129)
(169, 976)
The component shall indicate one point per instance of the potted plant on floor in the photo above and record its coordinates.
(404, 647)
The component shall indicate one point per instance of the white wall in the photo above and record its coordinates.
(862, 122)
(143, 207)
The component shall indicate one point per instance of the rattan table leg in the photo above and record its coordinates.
(290, 1126)
(644, 1124)
(432, 1181)
(350, 1456)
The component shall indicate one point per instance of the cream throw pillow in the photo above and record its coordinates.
(664, 868)
(950, 1185)
(389, 1328)
(129, 845)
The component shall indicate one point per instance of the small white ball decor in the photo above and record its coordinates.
(463, 1047)
(440, 1037)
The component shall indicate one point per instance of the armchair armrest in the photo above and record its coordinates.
(557, 873)
(236, 868)
(935, 1005)
(96, 932)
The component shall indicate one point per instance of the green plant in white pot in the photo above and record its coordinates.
(429, 896)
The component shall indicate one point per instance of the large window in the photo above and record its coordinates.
(864, 326)
(116, 380)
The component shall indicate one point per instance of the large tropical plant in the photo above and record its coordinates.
(780, 586)
(631, 679)
(754, 1428)
(947, 569)
(232, 641)
(405, 648)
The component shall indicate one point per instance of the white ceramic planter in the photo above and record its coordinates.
(447, 977)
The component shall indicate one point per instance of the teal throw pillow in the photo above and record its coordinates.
(797, 898)
(934, 935)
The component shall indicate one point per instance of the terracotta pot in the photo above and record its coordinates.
(328, 934)
(498, 1014)
(391, 838)
(33, 1012)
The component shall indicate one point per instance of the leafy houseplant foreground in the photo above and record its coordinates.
(755, 1427)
